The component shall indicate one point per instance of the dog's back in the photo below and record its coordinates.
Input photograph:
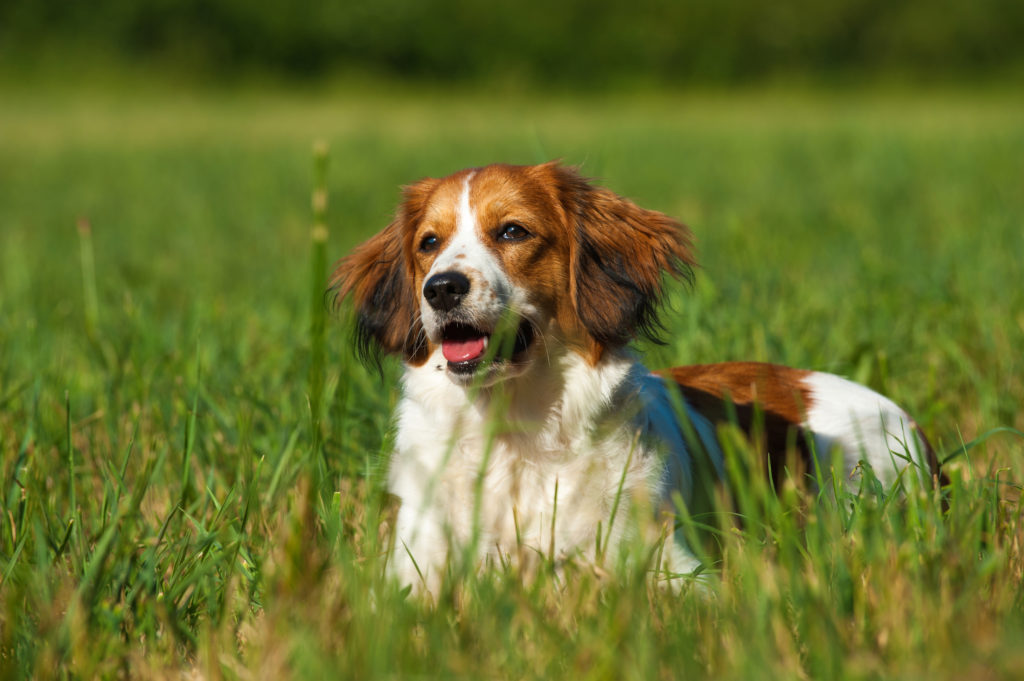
(794, 415)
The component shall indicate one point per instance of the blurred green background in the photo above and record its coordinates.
(575, 43)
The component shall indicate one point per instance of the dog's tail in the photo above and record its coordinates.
(937, 475)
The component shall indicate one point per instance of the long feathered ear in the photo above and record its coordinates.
(621, 253)
(378, 276)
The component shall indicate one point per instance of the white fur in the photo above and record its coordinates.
(861, 425)
(467, 469)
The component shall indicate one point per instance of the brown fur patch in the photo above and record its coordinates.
(767, 401)
(620, 254)
(502, 195)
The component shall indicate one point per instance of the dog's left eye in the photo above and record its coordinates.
(429, 243)
(512, 232)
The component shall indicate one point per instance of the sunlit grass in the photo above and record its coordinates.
(176, 496)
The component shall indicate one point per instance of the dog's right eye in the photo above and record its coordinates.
(429, 243)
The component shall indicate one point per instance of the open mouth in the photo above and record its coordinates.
(465, 346)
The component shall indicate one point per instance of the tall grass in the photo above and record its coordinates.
(318, 310)
(181, 493)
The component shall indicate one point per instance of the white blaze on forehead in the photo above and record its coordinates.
(465, 219)
(466, 252)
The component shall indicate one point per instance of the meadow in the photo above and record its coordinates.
(193, 480)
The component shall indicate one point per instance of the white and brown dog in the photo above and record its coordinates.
(511, 294)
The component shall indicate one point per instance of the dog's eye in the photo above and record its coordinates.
(429, 243)
(512, 232)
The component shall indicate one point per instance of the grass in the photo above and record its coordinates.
(192, 481)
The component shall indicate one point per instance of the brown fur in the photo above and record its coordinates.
(767, 401)
(594, 260)
(619, 254)
(379, 276)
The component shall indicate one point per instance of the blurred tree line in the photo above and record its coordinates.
(560, 42)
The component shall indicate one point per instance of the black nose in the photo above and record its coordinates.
(445, 291)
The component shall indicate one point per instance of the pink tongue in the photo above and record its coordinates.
(463, 350)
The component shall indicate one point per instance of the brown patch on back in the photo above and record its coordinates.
(767, 401)
(778, 389)
(742, 388)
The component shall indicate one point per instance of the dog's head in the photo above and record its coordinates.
(481, 269)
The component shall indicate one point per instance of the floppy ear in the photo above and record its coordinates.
(378, 276)
(620, 255)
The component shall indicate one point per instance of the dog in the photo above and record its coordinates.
(511, 294)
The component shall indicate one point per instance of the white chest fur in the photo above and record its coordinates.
(544, 464)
